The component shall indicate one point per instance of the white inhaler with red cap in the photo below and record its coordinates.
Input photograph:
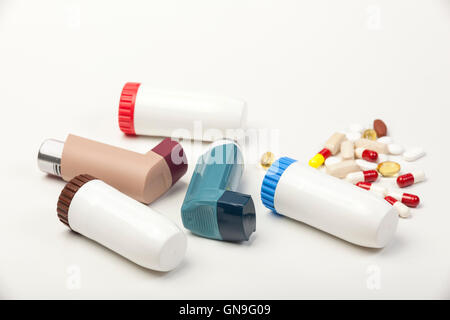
(327, 203)
(96, 210)
(147, 111)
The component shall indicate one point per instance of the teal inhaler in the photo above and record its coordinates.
(212, 208)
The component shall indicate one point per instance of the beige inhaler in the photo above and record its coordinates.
(144, 177)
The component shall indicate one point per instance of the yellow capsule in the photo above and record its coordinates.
(317, 161)
(370, 134)
(267, 159)
(388, 168)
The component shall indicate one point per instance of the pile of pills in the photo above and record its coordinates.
(361, 157)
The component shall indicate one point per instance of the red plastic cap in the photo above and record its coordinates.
(126, 107)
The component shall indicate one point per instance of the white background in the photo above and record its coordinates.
(306, 68)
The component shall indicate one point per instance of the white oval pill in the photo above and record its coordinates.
(385, 139)
(395, 148)
(413, 154)
(332, 160)
(356, 127)
(366, 165)
(353, 136)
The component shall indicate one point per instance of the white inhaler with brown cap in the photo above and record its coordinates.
(96, 210)
(144, 110)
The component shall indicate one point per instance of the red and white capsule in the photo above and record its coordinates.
(411, 200)
(366, 176)
(320, 158)
(410, 178)
(366, 154)
(403, 211)
(325, 153)
(380, 190)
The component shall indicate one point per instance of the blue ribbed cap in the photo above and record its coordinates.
(271, 179)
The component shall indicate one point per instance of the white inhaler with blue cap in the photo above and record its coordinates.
(327, 203)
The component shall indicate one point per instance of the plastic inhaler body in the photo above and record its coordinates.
(144, 177)
(212, 208)
(147, 111)
(99, 212)
(298, 191)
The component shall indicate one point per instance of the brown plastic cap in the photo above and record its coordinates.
(67, 194)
